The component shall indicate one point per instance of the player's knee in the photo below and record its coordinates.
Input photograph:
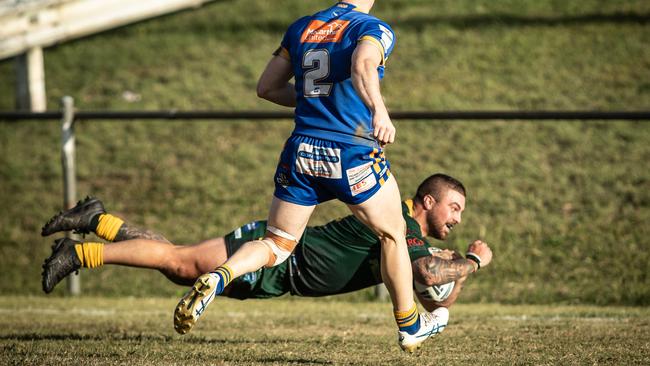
(178, 268)
(280, 245)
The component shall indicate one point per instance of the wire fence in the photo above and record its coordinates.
(273, 115)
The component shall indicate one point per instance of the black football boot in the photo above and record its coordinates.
(62, 262)
(78, 218)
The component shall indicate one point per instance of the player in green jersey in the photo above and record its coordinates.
(339, 257)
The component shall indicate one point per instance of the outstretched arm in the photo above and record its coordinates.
(433, 270)
(438, 270)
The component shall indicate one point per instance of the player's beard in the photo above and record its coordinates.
(439, 227)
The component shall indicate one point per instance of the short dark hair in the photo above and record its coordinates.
(438, 184)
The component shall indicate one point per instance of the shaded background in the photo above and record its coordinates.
(565, 204)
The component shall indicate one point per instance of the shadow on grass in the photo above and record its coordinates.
(149, 338)
(84, 337)
(140, 337)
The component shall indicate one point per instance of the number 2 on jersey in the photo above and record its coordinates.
(317, 65)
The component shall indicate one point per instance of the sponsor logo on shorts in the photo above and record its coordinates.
(246, 228)
(360, 178)
(357, 174)
(319, 31)
(433, 250)
(319, 155)
(250, 226)
(282, 180)
(364, 185)
(319, 161)
(250, 277)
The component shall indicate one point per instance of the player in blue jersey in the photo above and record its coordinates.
(337, 58)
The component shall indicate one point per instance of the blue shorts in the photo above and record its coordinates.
(313, 170)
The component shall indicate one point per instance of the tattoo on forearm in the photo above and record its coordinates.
(127, 232)
(439, 271)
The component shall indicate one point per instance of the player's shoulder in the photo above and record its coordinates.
(300, 22)
(367, 20)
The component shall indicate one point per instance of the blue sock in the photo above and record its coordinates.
(408, 321)
(225, 275)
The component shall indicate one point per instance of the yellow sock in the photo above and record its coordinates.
(408, 321)
(91, 255)
(108, 226)
(226, 276)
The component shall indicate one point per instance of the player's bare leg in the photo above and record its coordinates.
(133, 246)
(181, 264)
(286, 223)
(383, 214)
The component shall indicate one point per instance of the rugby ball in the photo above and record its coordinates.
(436, 292)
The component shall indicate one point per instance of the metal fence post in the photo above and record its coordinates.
(381, 293)
(69, 177)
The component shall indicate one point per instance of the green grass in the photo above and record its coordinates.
(565, 205)
(94, 331)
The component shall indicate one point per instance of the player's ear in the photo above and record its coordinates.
(428, 201)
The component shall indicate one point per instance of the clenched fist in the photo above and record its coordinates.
(480, 249)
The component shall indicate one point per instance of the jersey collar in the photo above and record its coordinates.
(409, 205)
(351, 6)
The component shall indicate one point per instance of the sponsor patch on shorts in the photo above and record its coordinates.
(324, 162)
(356, 174)
(282, 180)
(245, 229)
(361, 179)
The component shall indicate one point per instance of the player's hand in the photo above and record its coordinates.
(384, 131)
(482, 250)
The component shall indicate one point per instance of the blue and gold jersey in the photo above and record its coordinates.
(320, 49)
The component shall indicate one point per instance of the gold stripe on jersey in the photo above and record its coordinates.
(378, 44)
(409, 205)
(282, 52)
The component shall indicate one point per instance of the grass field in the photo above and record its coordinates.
(564, 204)
(118, 331)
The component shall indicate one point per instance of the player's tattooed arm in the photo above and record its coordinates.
(127, 232)
(433, 270)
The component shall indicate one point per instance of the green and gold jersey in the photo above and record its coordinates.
(343, 255)
(338, 257)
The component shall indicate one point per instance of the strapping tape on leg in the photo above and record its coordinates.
(281, 244)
